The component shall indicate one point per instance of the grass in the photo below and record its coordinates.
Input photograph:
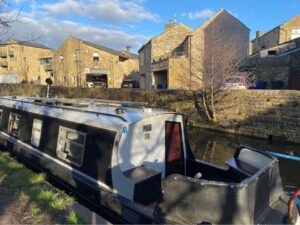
(74, 218)
(34, 188)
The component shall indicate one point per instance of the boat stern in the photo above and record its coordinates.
(244, 193)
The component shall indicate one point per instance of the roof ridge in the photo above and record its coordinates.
(213, 17)
(27, 43)
(107, 49)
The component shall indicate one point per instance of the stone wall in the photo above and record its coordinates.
(258, 113)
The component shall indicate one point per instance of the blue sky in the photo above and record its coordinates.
(117, 23)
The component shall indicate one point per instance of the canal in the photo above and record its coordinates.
(217, 147)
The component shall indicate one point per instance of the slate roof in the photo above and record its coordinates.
(27, 43)
(110, 50)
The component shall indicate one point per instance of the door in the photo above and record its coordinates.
(174, 148)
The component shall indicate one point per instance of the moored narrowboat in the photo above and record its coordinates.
(136, 162)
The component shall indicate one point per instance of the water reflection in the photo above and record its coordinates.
(216, 147)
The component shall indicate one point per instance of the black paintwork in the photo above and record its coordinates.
(98, 146)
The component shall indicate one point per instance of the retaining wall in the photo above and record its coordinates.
(259, 113)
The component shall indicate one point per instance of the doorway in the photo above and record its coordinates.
(174, 148)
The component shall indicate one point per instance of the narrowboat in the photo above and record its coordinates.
(136, 162)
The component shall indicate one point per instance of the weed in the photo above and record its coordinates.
(46, 196)
(58, 205)
(36, 215)
(23, 196)
(14, 165)
(37, 178)
(74, 218)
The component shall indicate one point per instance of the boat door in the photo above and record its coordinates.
(174, 148)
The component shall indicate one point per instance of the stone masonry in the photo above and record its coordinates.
(179, 57)
(23, 59)
(258, 113)
(76, 58)
(280, 34)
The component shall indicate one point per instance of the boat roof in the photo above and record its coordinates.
(87, 111)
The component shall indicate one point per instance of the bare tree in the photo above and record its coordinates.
(7, 19)
(215, 54)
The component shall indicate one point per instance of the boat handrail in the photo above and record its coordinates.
(58, 105)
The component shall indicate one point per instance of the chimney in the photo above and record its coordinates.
(128, 48)
(169, 25)
(259, 33)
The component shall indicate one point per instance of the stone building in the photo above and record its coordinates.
(283, 33)
(277, 67)
(22, 61)
(161, 54)
(81, 63)
(217, 48)
(180, 56)
(274, 56)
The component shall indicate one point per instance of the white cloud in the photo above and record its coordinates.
(54, 32)
(65, 8)
(203, 14)
(112, 11)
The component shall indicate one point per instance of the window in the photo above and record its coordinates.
(61, 59)
(96, 57)
(295, 33)
(14, 124)
(70, 145)
(272, 52)
(1, 112)
(76, 57)
(63, 79)
(36, 132)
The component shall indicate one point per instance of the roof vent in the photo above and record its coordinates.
(119, 110)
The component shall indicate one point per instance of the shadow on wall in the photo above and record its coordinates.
(265, 114)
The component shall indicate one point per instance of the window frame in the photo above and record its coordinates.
(67, 141)
(39, 140)
(96, 57)
(19, 124)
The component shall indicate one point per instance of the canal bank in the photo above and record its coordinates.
(267, 114)
(27, 197)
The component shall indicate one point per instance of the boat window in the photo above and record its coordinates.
(1, 112)
(14, 124)
(36, 132)
(70, 145)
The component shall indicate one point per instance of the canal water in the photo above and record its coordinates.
(217, 147)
